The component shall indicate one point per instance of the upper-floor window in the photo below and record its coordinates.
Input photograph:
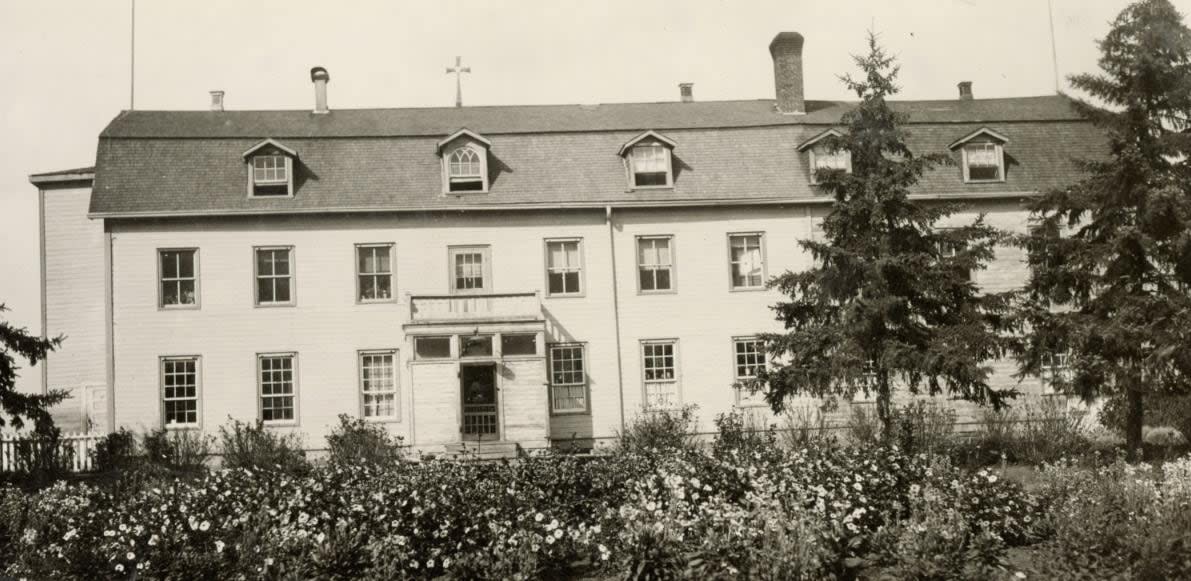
(178, 278)
(824, 157)
(374, 272)
(471, 269)
(660, 374)
(746, 260)
(982, 156)
(465, 162)
(564, 267)
(568, 378)
(655, 263)
(378, 384)
(270, 169)
(274, 276)
(179, 391)
(748, 360)
(649, 160)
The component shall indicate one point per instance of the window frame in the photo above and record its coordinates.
(581, 268)
(736, 377)
(396, 391)
(481, 153)
(631, 166)
(486, 271)
(585, 385)
(294, 389)
(673, 267)
(161, 281)
(198, 391)
(451, 351)
(764, 262)
(289, 175)
(1047, 373)
(999, 153)
(950, 251)
(815, 151)
(293, 277)
(677, 369)
(392, 274)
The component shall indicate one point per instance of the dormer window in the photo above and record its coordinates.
(270, 170)
(465, 162)
(825, 158)
(649, 161)
(983, 156)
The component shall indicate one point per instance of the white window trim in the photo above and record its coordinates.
(814, 153)
(481, 152)
(260, 396)
(582, 268)
(396, 417)
(198, 390)
(673, 264)
(392, 247)
(764, 262)
(486, 252)
(289, 177)
(293, 278)
(586, 384)
(161, 280)
(1000, 155)
(677, 381)
(736, 377)
(631, 170)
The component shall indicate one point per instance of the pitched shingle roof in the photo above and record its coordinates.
(188, 162)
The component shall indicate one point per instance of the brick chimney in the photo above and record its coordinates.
(320, 77)
(687, 92)
(786, 50)
(217, 100)
(965, 90)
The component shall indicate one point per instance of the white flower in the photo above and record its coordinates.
(119, 568)
(219, 546)
(204, 526)
(130, 556)
(538, 517)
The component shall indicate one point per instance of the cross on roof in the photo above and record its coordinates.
(458, 69)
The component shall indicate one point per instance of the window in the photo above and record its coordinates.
(465, 171)
(378, 384)
(568, 379)
(1056, 368)
(470, 269)
(660, 374)
(179, 391)
(655, 263)
(983, 162)
(374, 272)
(564, 267)
(649, 164)
(274, 276)
(949, 250)
(271, 175)
(432, 347)
(475, 345)
(518, 344)
(825, 159)
(749, 359)
(179, 278)
(276, 382)
(746, 261)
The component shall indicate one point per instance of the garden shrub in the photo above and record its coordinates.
(806, 427)
(1036, 433)
(737, 433)
(178, 452)
(355, 441)
(938, 542)
(254, 447)
(659, 432)
(864, 427)
(116, 451)
(923, 426)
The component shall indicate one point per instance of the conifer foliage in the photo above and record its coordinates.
(889, 302)
(1110, 256)
(16, 407)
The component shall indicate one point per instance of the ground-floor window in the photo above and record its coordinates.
(278, 387)
(748, 359)
(660, 370)
(568, 378)
(179, 391)
(378, 384)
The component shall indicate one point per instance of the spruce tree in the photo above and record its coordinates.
(16, 407)
(1110, 256)
(889, 302)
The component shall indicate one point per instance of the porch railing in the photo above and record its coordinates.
(451, 308)
(76, 450)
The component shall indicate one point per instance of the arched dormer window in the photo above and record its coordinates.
(465, 162)
(649, 161)
(270, 170)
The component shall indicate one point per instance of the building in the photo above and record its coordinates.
(519, 275)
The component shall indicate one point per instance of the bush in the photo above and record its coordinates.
(355, 441)
(740, 434)
(923, 426)
(1037, 433)
(807, 427)
(864, 427)
(181, 452)
(116, 451)
(254, 447)
(659, 432)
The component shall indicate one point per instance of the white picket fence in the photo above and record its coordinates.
(82, 446)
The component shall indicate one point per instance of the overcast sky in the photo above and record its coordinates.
(65, 64)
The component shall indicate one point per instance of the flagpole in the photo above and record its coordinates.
(132, 59)
(1054, 53)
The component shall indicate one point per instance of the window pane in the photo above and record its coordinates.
(557, 285)
(367, 260)
(264, 290)
(647, 279)
(663, 279)
(281, 290)
(264, 262)
(186, 264)
(571, 282)
(383, 283)
(187, 290)
(475, 346)
(280, 262)
(432, 347)
(526, 344)
(169, 264)
(367, 287)
(169, 293)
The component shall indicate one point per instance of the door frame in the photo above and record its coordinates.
(494, 367)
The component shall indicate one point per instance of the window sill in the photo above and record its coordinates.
(578, 295)
(465, 192)
(383, 420)
(270, 197)
(649, 188)
(279, 423)
(183, 427)
(274, 305)
(747, 289)
(657, 292)
(193, 307)
(996, 181)
(391, 301)
(563, 414)
(521, 357)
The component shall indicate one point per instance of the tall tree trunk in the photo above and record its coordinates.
(1134, 420)
(884, 406)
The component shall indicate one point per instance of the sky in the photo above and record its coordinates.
(65, 64)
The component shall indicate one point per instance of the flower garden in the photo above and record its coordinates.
(746, 505)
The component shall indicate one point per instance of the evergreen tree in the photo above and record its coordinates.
(889, 302)
(1110, 256)
(19, 406)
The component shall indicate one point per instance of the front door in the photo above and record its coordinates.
(478, 385)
